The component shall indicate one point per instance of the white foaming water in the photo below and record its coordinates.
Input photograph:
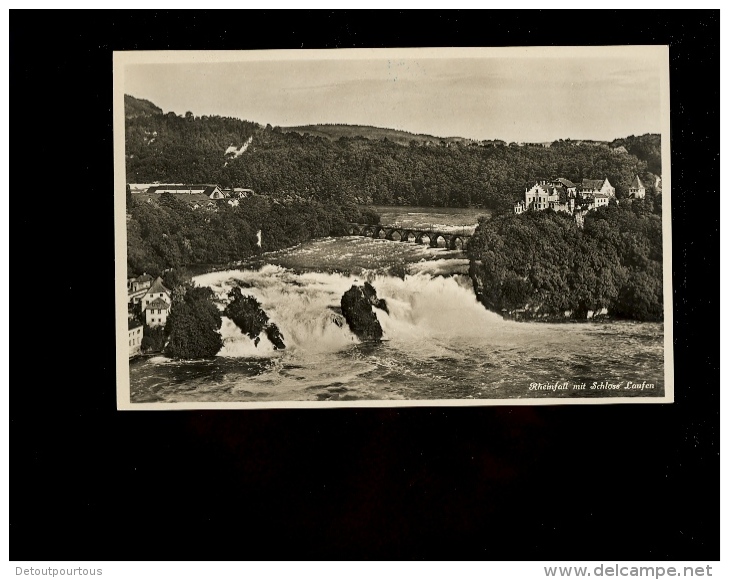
(421, 307)
(300, 305)
(444, 267)
(237, 344)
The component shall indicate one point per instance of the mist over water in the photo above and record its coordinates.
(439, 342)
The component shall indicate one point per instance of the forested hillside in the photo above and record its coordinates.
(190, 149)
(645, 147)
(168, 234)
(544, 263)
(334, 132)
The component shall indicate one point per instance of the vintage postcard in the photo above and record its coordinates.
(393, 227)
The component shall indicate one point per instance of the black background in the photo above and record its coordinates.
(612, 482)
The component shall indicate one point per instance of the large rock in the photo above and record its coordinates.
(275, 336)
(371, 295)
(247, 314)
(357, 303)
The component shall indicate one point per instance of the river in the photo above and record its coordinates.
(439, 341)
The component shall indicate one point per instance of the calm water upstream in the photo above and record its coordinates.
(440, 343)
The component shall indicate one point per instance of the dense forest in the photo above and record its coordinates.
(193, 327)
(287, 165)
(334, 132)
(168, 234)
(544, 263)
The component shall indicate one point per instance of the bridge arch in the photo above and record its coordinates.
(354, 230)
(420, 235)
(369, 231)
(380, 232)
(439, 240)
(452, 241)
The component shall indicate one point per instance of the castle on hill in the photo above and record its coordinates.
(561, 194)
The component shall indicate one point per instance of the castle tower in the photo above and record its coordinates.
(637, 189)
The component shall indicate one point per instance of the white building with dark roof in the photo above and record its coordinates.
(137, 287)
(569, 187)
(540, 195)
(156, 312)
(135, 337)
(208, 190)
(560, 195)
(156, 303)
(596, 186)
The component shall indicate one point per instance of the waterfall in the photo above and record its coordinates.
(305, 307)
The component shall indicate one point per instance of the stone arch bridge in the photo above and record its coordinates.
(453, 241)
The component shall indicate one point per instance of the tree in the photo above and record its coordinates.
(176, 278)
(194, 325)
(154, 339)
(542, 262)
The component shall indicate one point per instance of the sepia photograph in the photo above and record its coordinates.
(392, 227)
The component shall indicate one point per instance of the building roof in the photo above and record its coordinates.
(134, 324)
(602, 195)
(181, 187)
(549, 189)
(637, 183)
(157, 303)
(144, 278)
(593, 183)
(157, 286)
(565, 182)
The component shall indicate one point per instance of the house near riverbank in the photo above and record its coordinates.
(156, 312)
(138, 287)
(156, 304)
(136, 333)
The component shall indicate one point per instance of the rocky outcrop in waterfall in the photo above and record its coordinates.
(247, 314)
(275, 336)
(357, 303)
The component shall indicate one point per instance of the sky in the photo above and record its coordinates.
(537, 95)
